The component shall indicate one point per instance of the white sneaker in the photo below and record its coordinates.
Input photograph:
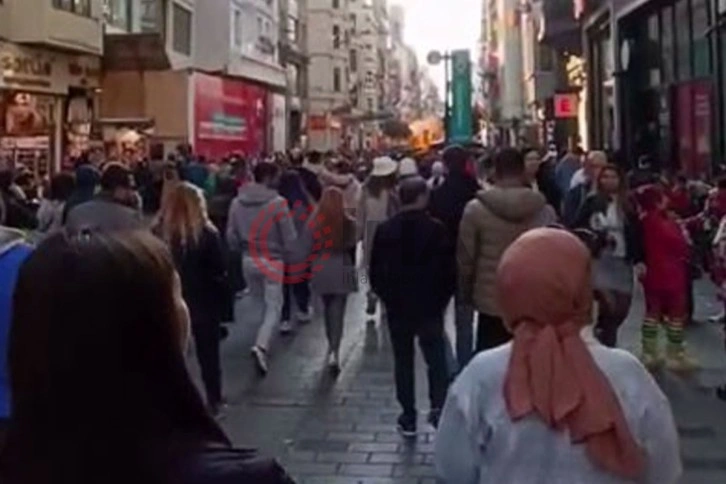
(304, 317)
(260, 356)
(286, 327)
(333, 362)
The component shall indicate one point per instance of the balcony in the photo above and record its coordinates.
(38, 22)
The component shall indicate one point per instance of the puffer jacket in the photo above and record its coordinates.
(491, 222)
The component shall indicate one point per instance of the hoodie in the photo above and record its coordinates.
(257, 208)
(491, 222)
(13, 252)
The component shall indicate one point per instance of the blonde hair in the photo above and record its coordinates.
(183, 215)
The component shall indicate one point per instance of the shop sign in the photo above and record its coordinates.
(565, 106)
(317, 122)
(230, 116)
(37, 70)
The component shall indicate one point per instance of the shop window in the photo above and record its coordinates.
(667, 51)
(79, 7)
(683, 40)
(701, 48)
(182, 30)
(336, 80)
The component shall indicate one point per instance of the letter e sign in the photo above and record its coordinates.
(565, 105)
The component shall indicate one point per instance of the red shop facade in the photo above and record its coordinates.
(230, 116)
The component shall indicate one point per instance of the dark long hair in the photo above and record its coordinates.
(623, 198)
(100, 391)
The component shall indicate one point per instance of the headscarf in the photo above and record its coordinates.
(545, 296)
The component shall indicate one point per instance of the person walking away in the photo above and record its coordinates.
(219, 205)
(447, 204)
(113, 209)
(195, 244)
(566, 168)
(609, 215)
(377, 204)
(87, 180)
(407, 168)
(13, 252)
(351, 188)
(17, 213)
(666, 252)
(263, 253)
(582, 186)
(540, 176)
(598, 413)
(438, 175)
(491, 222)
(337, 276)
(50, 212)
(124, 331)
(301, 204)
(413, 271)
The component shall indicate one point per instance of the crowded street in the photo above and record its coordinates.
(339, 430)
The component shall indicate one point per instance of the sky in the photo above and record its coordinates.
(442, 25)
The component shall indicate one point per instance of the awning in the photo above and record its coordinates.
(135, 52)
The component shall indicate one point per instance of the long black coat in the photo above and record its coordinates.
(202, 269)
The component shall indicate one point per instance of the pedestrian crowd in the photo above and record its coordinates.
(108, 273)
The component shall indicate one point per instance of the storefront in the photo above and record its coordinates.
(47, 102)
(653, 85)
(230, 116)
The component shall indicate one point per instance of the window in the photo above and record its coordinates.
(653, 47)
(292, 29)
(336, 79)
(336, 4)
(353, 60)
(117, 13)
(544, 58)
(370, 104)
(667, 52)
(237, 28)
(683, 40)
(353, 22)
(336, 37)
(182, 30)
(259, 26)
(701, 52)
(79, 7)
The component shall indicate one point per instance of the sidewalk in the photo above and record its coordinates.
(342, 431)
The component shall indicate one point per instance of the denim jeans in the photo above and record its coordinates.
(464, 322)
(269, 293)
(300, 291)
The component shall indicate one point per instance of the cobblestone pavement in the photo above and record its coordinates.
(342, 430)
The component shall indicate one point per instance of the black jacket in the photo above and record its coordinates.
(232, 466)
(202, 269)
(596, 203)
(448, 201)
(413, 269)
(311, 182)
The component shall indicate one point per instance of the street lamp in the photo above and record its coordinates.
(435, 58)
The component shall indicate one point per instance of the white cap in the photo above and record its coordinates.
(383, 166)
(407, 167)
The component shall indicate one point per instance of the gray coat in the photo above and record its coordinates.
(335, 271)
(104, 215)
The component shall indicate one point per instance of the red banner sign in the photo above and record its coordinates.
(229, 116)
(565, 105)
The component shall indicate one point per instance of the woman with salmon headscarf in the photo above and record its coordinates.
(554, 405)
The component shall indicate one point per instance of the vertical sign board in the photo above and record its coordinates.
(460, 125)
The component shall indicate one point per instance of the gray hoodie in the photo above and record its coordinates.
(257, 208)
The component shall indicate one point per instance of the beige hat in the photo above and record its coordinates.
(383, 166)
(407, 167)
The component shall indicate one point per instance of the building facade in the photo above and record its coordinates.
(49, 81)
(328, 84)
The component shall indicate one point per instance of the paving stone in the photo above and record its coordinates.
(396, 458)
(343, 457)
(366, 470)
(322, 445)
(311, 468)
(414, 471)
(373, 447)
(351, 436)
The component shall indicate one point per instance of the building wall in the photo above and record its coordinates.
(213, 48)
(38, 22)
(159, 95)
(510, 50)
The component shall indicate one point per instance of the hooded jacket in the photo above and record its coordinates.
(13, 252)
(491, 222)
(249, 214)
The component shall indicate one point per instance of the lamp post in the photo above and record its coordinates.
(435, 58)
